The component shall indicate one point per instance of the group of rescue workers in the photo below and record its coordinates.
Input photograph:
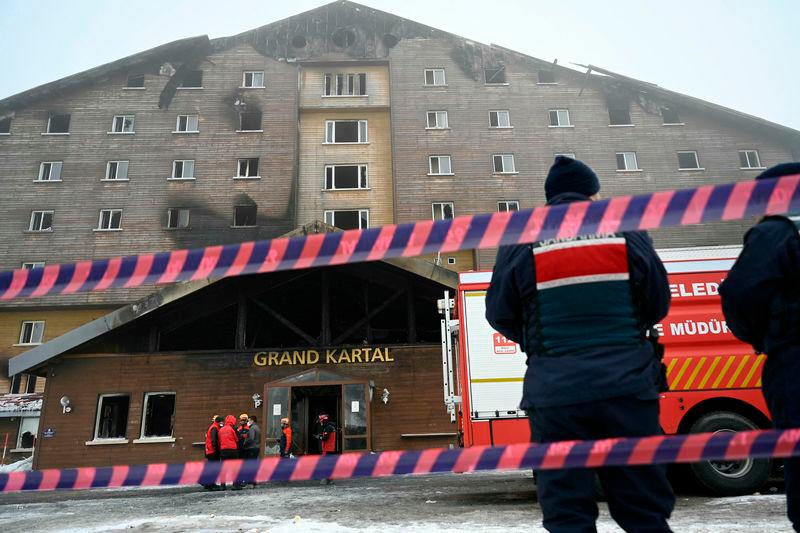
(582, 310)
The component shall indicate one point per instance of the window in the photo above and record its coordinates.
(177, 218)
(749, 159)
(193, 79)
(442, 210)
(112, 416)
(439, 164)
(122, 124)
(547, 77)
(346, 131)
(451, 260)
(619, 115)
(437, 120)
(183, 169)
(247, 168)
(117, 171)
(135, 81)
(32, 332)
(50, 171)
(434, 76)
(670, 116)
(503, 164)
(495, 75)
(28, 427)
(508, 205)
(253, 79)
(158, 414)
(346, 177)
(559, 118)
(345, 84)
(58, 123)
(5, 126)
(30, 386)
(41, 221)
(244, 216)
(186, 124)
(110, 220)
(13, 387)
(355, 219)
(571, 155)
(499, 119)
(626, 161)
(250, 121)
(688, 161)
(30, 265)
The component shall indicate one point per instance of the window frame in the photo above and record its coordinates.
(620, 125)
(30, 342)
(248, 176)
(43, 212)
(188, 122)
(130, 87)
(361, 166)
(6, 120)
(19, 447)
(330, 128)
(192, 87)
(252, 72)
(559, 112)
(571, 155)
(111, 212)
(173, 177)
(663, 118)
(539, 77)
(442, 204)
(98, 412)
(161, 438)
(747, 151)
(439, 163)
(499, 68)
(118, 161)
(260, 122)
(170, 210)
(233, 225)
(433, 71)
(332, 213)
(625, 160)
(123, 132)
(436, 114)
(351, 82)
(696, 158)
(508, 203)
(503, 160)
(50, 120)
(50, 173)
(33, 265)
(497, 112)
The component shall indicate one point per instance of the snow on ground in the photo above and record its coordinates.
(487, 502)
(23, 465)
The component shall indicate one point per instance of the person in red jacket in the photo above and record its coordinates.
(326, 434)
(229, 443)
(286, 438)
(212, 444)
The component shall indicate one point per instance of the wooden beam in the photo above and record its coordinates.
(325, 308)
(371, 314)
(241, 319)
(365, 291)
(411, 314)
(283, 320)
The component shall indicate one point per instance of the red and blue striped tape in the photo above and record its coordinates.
(625, 213)
(555, 455)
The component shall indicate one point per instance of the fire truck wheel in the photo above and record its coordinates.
(729, 478)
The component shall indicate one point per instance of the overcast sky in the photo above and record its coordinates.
(740, 54)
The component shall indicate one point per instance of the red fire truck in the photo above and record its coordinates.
(714, 379)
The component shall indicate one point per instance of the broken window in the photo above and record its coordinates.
(112, 416)
(32, 332)
(508, 205)
(559, 118)
(670, 115)
(619, 114)
(244, 216)
(187, 124)
(159, 414)
(503, 164)
(117, 170)
(253, 79)
(499, 119)
(250, 121)
(346, 131)
(122, 124)
(749, 159)
(546, 77)
(688, 160)
(346, 177)
(442, 210)
(50, 171)
(177, 217)
(30, 265)
(41, 221)
(495, 75)
(434, 76)
(58, 123)
(5, 126)
(437, 120)
(192, 79)
(183, 169)
(627, 161)
(28, 426)
(135, 81)
(439, 165)
(346, 84)
(354, 219)
(110, 220)
(343, 37)
(247, 168)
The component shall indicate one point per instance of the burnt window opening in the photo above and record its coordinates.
(135, 81)
(5, 125)
(343, 38)
(355, 219)
(159, 415)
(250, 121)
(245, 216)
(177, 218)
(30, 387)
(112, 416)
(547, 77)
(619, 115)
(58, 123)
(15, 384)
(345, 177)
(495, 75)
(192, 79)
(299, 41)
(28, 427)
(670, 115)
(390, 40)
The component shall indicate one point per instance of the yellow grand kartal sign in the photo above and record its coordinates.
(329, 356)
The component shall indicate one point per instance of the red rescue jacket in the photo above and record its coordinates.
(212, 439)
(228, 437)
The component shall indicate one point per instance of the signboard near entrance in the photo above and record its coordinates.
(366, 354)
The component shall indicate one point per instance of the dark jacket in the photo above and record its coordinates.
(253, 439)
(592, 372)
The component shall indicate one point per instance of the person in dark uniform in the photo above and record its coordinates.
(761, 303)
(580, 309)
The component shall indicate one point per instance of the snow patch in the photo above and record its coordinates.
(25, 465)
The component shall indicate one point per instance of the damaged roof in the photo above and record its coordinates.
(12, 405)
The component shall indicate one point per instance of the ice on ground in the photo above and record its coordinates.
(24, 465)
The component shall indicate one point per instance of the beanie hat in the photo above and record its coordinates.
(570, 175)
(784, 169)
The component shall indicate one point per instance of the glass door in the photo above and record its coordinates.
(355, 418)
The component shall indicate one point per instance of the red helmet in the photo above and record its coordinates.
(323, 417)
